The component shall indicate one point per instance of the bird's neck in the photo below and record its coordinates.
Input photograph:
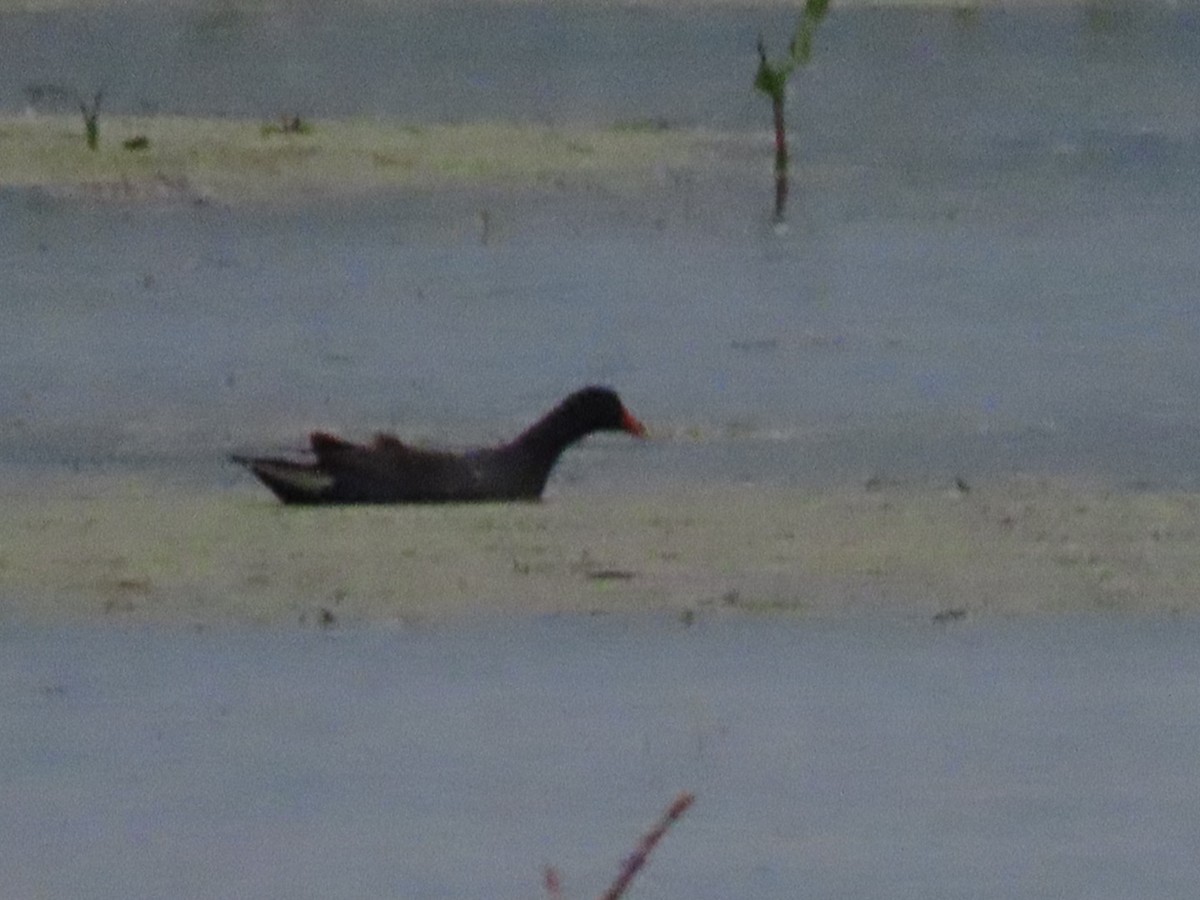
(547, 438)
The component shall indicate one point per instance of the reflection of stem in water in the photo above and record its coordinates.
(485, 227)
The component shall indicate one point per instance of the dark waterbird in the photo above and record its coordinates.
(390, 471)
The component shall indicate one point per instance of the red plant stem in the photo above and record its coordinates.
(552, 882)
(638, 859)
(781, 150)
(781, 159)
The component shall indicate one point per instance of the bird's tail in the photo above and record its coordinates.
(291, 482)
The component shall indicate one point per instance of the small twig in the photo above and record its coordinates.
(91, 119)
(552, 882)
(638, 859)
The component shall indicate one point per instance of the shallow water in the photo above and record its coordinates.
(1002, 759)
(990, 264)
(1015, 335)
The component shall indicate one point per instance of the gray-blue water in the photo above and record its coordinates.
(990, 264)
(1047, 758)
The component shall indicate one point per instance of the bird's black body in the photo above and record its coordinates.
(390, 471)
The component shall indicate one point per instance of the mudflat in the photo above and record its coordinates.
(242, 160)
(129, 550)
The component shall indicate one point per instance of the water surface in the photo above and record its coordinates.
(1020, 759)
(990, 263)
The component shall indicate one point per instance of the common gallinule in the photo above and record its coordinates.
(390, 471)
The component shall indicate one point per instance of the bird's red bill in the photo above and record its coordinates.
(630, 423)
